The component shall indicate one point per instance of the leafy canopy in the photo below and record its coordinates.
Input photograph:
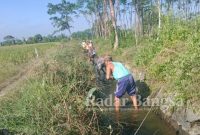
(61, 14)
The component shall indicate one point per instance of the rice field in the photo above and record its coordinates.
(14, 58)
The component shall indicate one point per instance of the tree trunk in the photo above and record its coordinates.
(142, 21)
(124, 19)
(112, 13)
(131, 16)
(117, 9)
(105, 19)
(136, 39)
(138, 18)
(159, 15)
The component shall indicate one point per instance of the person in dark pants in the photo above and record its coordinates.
(99, 65)
(125, 80)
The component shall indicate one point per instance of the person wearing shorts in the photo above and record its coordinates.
(125, 81)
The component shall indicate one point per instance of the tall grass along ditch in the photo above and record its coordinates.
(52, 100)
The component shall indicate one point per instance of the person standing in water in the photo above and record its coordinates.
(125, 80)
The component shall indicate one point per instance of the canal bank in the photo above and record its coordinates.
(170, 66)
(130, 122)
(176, 113)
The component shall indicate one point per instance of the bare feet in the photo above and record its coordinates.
(134, 99)
(117, 104)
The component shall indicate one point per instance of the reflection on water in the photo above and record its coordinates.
(130, 119)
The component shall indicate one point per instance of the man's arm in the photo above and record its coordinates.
(108, 72)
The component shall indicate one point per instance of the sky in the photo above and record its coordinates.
(25, 18)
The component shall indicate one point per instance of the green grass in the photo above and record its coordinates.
(14, 58)
(52, 101)
(171, 61)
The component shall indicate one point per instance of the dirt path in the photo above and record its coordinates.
(24, 74)
(11, 83)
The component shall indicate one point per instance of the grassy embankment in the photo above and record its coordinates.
(14, 58)
(52, 101)
(171, 61)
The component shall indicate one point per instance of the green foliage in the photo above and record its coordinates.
(38, 38)
(83, 35)
(12, 58)
(9, 40)
(126, 38)
(52, 101)
(9, 37)
(64, 9)
(21, 54)
(171, 59)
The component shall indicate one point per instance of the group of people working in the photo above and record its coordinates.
(113, 70)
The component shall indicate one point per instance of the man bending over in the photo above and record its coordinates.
(125, 80)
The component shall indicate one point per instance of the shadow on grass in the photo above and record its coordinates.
(6, 132)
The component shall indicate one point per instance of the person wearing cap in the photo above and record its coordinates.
(125, 81)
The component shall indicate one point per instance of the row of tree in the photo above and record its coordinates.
(38, 38)
(108, 17)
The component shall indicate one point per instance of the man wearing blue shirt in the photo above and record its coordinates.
(125, 80)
